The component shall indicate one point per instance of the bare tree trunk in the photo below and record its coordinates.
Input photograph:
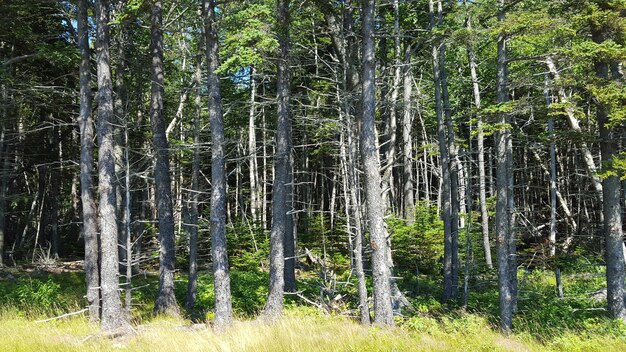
(574, 123)
(562, 201)
(4, 173)
(255, 192)
(484, 214)
(282, 165)
(407, 127)
(53, 198)
(450, 291)
(552, 236)
(391, 127)
(113, 316)
(128, 245)
(223, 304)
(444, 196)
(381, 272)
(503, 217)
(166, 301)
(611, 207)
(192, 282)
(85, 122)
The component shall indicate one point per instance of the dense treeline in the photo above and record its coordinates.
(367, 142)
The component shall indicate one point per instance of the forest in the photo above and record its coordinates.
(312, 175)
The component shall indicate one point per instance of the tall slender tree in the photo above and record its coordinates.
(282, 165)
(611, 186)
(221, 276)
(381, 272)
(85, 123)
(113, 316)
(192, 281)
(480, 141)
(166, 301)
(504, 237)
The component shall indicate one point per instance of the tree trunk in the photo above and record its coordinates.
(282, 165)
(253, 166)
(503, 228)
(446, 205)
(192, 281)
(575, 125)
(452, 287)
(482, 192)
(4, 168)
(381, 273)
(223, 305)
(552, 235)
(389, 193)
(113, 316)
(611, 207)
(407, 148)
(166, 301)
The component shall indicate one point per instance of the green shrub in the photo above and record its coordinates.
(32, 294)
(419, 245)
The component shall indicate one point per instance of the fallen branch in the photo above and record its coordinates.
(62, 316)
(319, 306)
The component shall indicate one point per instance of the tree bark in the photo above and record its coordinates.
(4, 167)
(192, 281)
(503, 216)
(552, 235)
(166, 301)
(381, 272)
(611, 206)
(450, 291)
(113, 316)
(444, 157)
(480, 140)
(282, 164)
(407, 148)
(253, 166)
(221, 276)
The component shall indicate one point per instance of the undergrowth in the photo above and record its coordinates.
(544, 322)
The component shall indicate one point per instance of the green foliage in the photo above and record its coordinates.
(248, 41)
(418, 245)
(36, 293)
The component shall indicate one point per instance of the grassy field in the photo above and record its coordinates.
(543, 323)
(296, 332)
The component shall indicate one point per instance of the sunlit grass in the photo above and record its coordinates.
(543, 323)
(295, 332)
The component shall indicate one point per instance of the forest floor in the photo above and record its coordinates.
(31, 294)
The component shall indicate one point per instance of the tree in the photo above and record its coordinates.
(85, 122)
(504, 236)
(381, 272)
(113, 316)
(192, 281)
(166, 301)
(221, 277)
(482, 189)
(611, 186)
(282, 174)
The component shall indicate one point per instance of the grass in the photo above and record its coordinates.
(296, 332)
(293, 333)
(543, 323)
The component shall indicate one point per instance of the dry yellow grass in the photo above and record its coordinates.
(293, 333)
